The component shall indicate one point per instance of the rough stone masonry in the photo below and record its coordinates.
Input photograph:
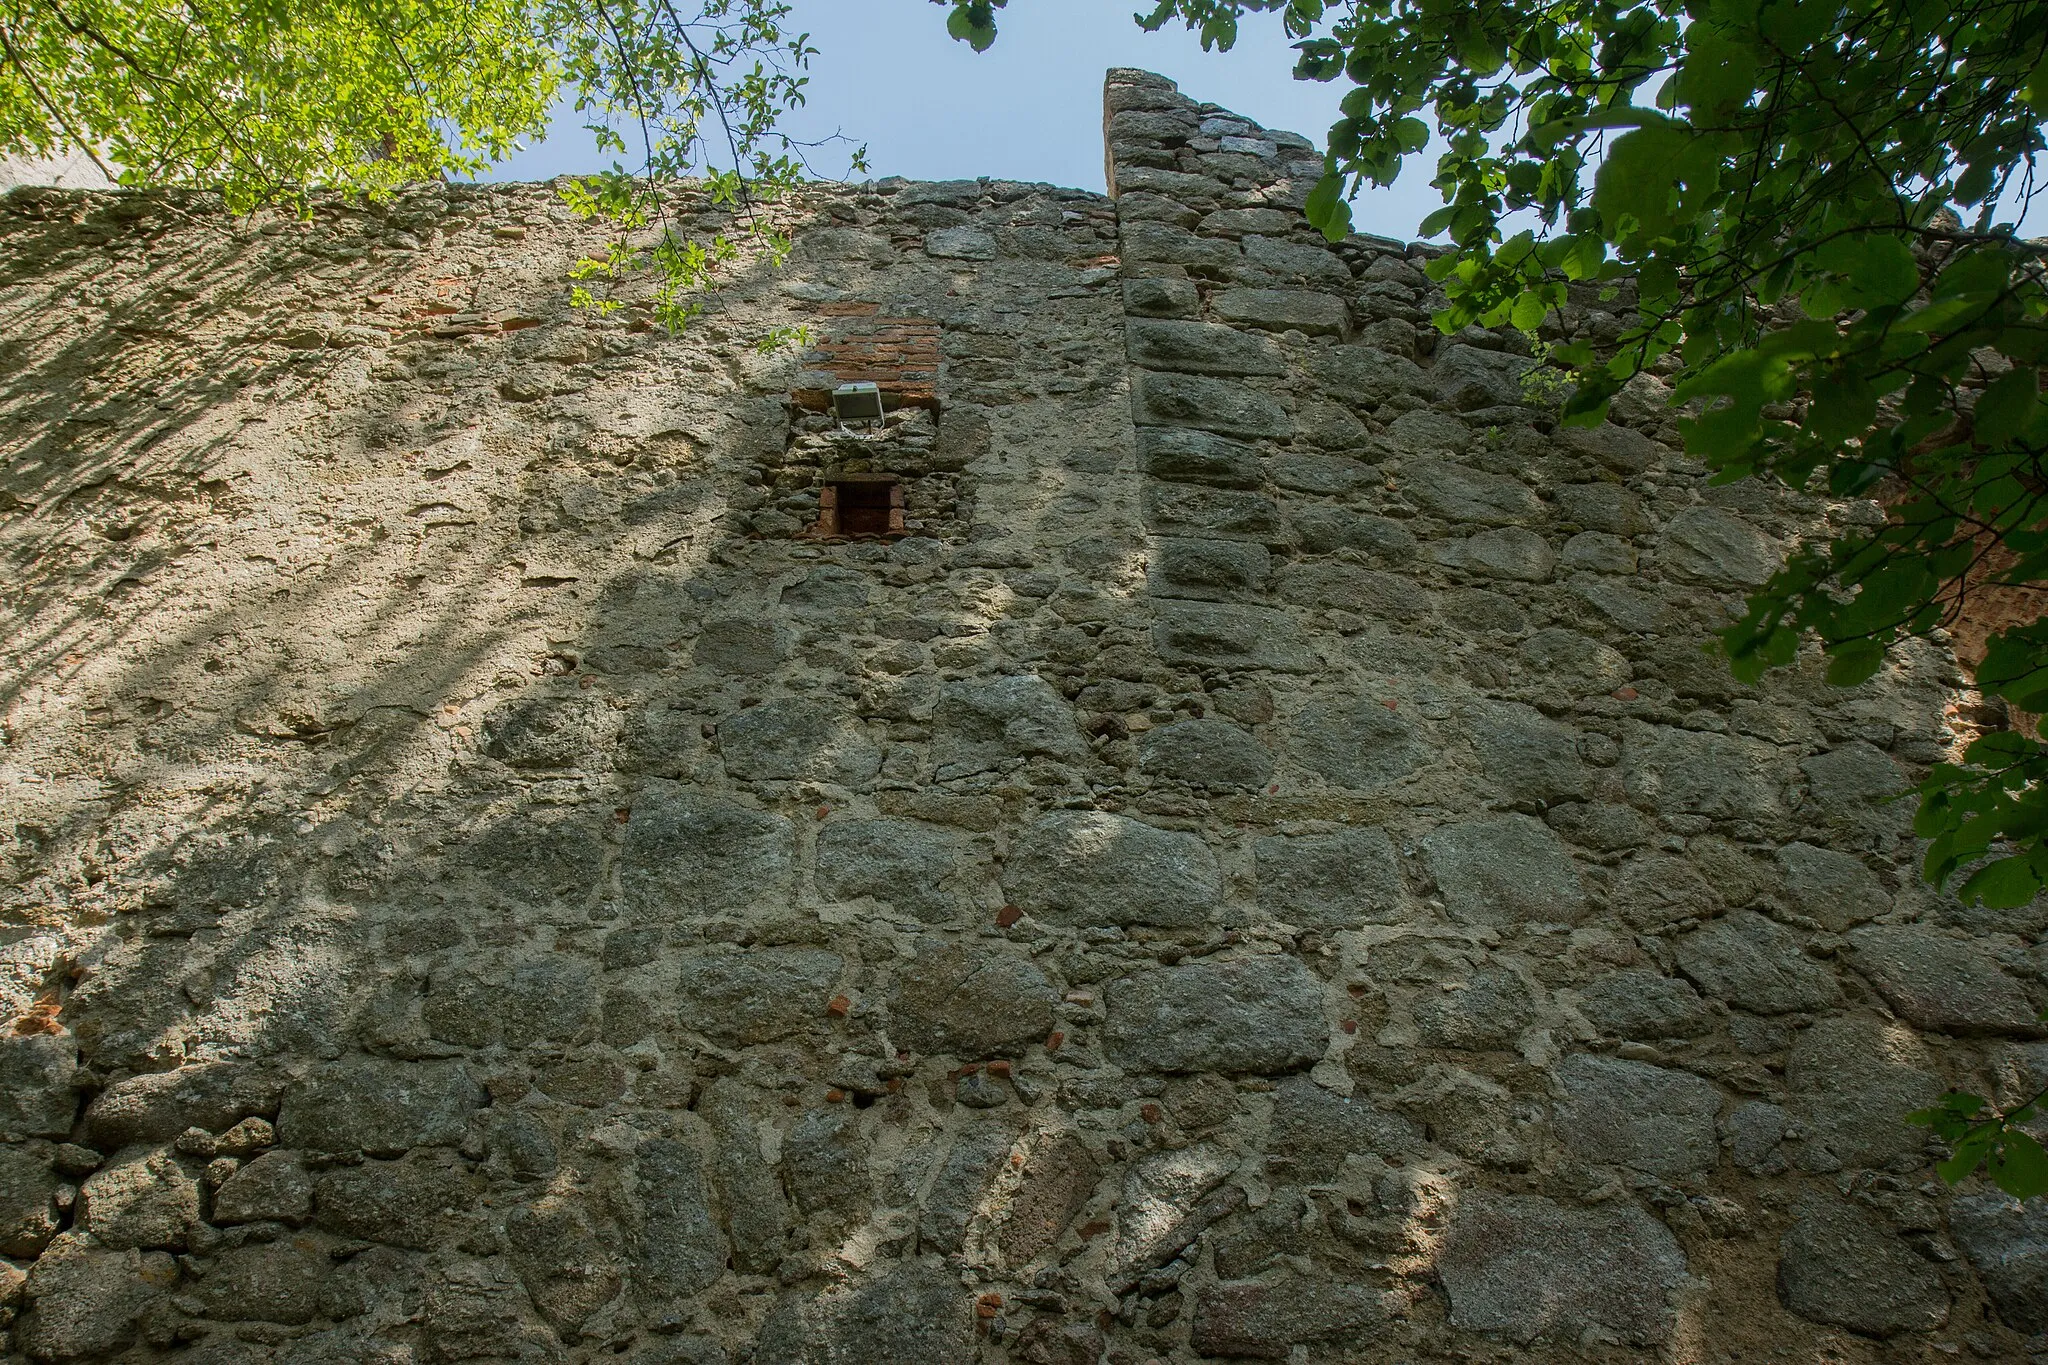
(1257, 864)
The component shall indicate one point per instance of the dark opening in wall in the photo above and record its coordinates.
(860, 505)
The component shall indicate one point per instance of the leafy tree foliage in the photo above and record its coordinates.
(1813, 200)
(265, 100)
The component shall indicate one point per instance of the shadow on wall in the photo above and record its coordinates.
(350, 600)
(514, 898)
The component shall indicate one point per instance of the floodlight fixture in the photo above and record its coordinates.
(859, 402)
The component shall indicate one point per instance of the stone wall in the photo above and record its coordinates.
(1264, 868)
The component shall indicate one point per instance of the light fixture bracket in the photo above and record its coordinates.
(857, 402)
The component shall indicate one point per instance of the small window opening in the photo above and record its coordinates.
(869, 505)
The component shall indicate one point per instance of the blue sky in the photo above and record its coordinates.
(1030, 108)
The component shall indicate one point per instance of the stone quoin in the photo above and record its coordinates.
(1211, 832)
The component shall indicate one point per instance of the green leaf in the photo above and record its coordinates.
(2005, 884)
(1719, 72)
(1842, 407)
(1874, 269)
(2007, 406)
(1327, 210)
(2035, 91)
(2021, 1166)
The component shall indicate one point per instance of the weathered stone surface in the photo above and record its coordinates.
(479, 1308)
(1261, 1014)
(1504, 870)
(1426, 434)
(1331, 881)
(1654, 892)
(1185, 456)
(674, 1249)
(1467, 377)
(1207, 569)
(745, 646)
(398, 1202)
(2007, 1242)
(36, 1098)
(491, 748)
(1238, 222)
(1089, 867)
(1755, 1132)
(29, 1216)
(1571, 662)
(272, 1282)
(274, 1188)
(1357, 742)
(1633, 1114)
(85, 1301)
(1598, 552)
(1603, 507)
(1645, 1005)
(1180, 400)
(1459, 492)
(1315, 1129)
(1161, 298)
(1350, 588)
(1263, 1320)
(146, 1200)
(797, 739)
(553, 1000)
(983, 723)
(1941, 982)
(568, 1272)
(1693, 772)
(379, 1107)
(757, 1215)
(960, 1192)
(1364, 375)
(1059, 1178)
(1182, 510)
(827, 593)
(908, 864)
(960, 244)
(1331, 475)
(1620, 448)
(1834, 888)
(910, 1312)
(1200, 348)
(756, 995)
(1708, 545)
(1282, 310)
(1205, 753)
(689, 853)
(1852, 789)
(159, 1105)
(1530, 1269)
(1165, 244)
(1509, 552)
(1482, 1012)
(970, 1002)
(1312, 264)
(550, 732)
(1853, 1080)
(1161, 1208)
(1212, 635)
(1839, 1266)
(1756, 965)
(1324, 529)
(1529, 756)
